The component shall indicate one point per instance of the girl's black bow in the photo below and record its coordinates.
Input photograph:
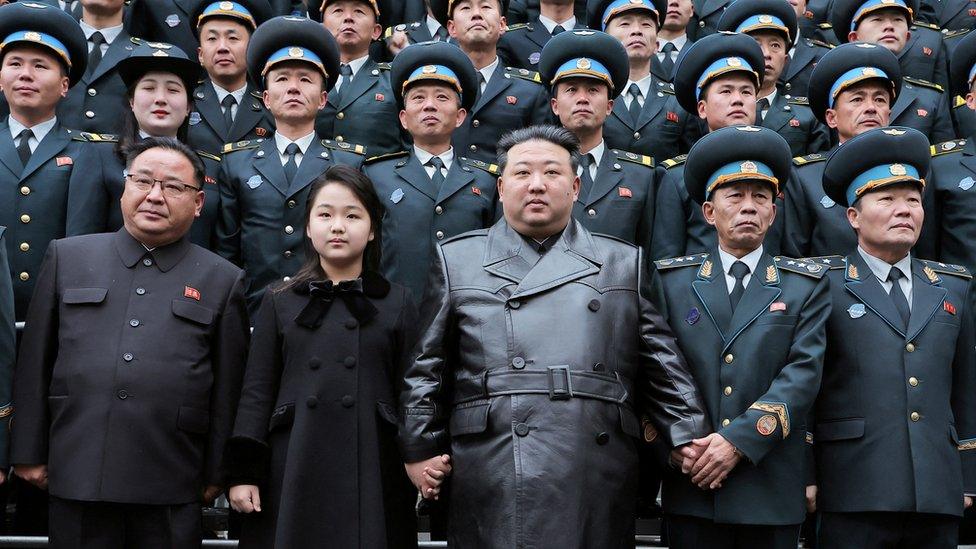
(323, 293)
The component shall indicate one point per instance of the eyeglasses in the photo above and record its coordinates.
(170, 189)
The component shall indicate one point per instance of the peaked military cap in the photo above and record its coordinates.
(162, 57)
(443, 10)
(847, 65)
(438, 62)
(845, 15)
(962, 65)
(748, 16)
(600, 12)
(585, 54)
(736, 153)
(711, 57)
(291, 38)
(250, 13)
(876, 159)
(40, 24)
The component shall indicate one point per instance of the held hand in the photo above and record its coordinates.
(684, 457)
(718, 457)
(245, 498)
(396, 42)
(34, 474)
(812, 498)
(967, 502)
(210, 493)
(428, 475)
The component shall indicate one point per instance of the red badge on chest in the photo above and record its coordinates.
(191, 293)
(260, 132)
(511, 99)
(476, 190)
(672, 116)
(624, 192)
(927, 51)
(64, 161)
(379, 97)
(795, 122)
(949, 307)
(923, 113)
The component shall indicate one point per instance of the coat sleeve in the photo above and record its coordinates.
(797, 225)
(228, 230)
(794, 389)
(964, 392)
(669, 236)
(89, 202)
(424, 404)
(666, 392)
(8, 344)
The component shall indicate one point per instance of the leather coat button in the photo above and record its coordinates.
(123, 394)
(602, 438)
(593, 305)
(515, 304)
(315, 363)
(518, 363)
(521, 429)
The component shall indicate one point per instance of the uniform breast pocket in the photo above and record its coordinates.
(84, 296)
(196, 314)
(776, 319)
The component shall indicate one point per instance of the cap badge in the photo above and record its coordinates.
(748, 167)
(226, 6)
(897, 169)
(583, 63)
(869, 71)
(296, 52)
(733, 62)
(893, 131)
(160, 53)
(33, 36)
(765, 19)
(429, 69)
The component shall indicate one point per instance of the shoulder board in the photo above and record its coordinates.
(641, 159)
(822, 44)
(205, 154)
(343, 146)
(481, 165)
(135, 40)
(799, 266)
(923, 83)
(96, 137)
(256, 95)
(815, 157)
(958, 101)
(955, 33)
(946, 147)
(829, 261)
(379, 157)
(685, 261)
(241, 146)
(825, 26)
(798, 101)
(383, 66)
(524, 74)
(676, 161)
(397, 28)
(947, 268)
(518, 26)
(927, 26)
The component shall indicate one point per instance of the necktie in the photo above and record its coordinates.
(291, 166)
(482, 83)
(441, 35)
(761, 106)
(438, 176)
(227, 103)
(345, 75)
(897, 295)
(586, 181)
(95, 57)
(739, 271)
(635, 106)
(668, 63)
(23, 148)
(558, 29)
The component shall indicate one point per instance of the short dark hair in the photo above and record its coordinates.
(553, 134)
(169, 144)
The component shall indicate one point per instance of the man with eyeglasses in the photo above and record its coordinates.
(124, 428)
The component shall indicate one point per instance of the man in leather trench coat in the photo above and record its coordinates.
(540, 350)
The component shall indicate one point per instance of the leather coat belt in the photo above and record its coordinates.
(558, 382)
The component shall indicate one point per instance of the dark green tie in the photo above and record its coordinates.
(635, 106)
(291, 166)
(898, 296)
(438, 177)
(738, 271)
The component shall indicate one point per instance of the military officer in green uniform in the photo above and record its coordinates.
(646, 118)
(894, 426)
(227, 107)
(804, 55)
(752, 329)
(718, 78)
(587, 69)
(264, 183)
(507, 97)
(431, 192)
(522, 44)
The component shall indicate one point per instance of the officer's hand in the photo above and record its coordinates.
(428, 475)
(245, 498)
(684, 457)
(396, 42)
(3, 476)
(812, 498)
(967, 502)
(717, 459)
(210, 493)
(34, 474)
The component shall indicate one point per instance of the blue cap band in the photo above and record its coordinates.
(880, 176)
(722, 66)
(294, 53)
(433, 72)
(619, 6)
(583, 67)
(746, 170)
(851, 77)
(227, 9)
(874, 5)
(763, 21)
(34, 37)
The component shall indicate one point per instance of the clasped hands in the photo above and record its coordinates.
(428, 475)
(706, 460)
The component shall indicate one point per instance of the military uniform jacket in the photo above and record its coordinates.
(53, 196)
(8, 350)
(704, 18)
(792, 118)
(521, 45)
(260, 227)
(950, 199)
(207, 129)
(954, 14)
(924, 55)
(925, 107)
(367, 112)
(418, 215)
(663, 129)
(795, 79)
(513, 98)
(98, 102)
(166, 21)
(894, 423)
(814, 23)
(537, 464)
(130, 370)
(813, 224)
(758, 369)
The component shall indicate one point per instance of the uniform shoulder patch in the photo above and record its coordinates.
(257, 95)
(825, 26)
(96, 137)
(683, 261)
(384, 66)
(676, 161)
(927, 26)
(798, 101)
(241, 146)
(524, 74)
(828, 261)
(519, 26)
(822, 44)
(344, 147)
(923, 83)
(481, 165)
(635, 158)
(205, 154)
(955, 33)
(958, 101)
(947, 268)
(387, 156)
(808, 159)
(947, 147)
(800, 266)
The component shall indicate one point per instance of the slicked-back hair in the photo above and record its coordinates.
(551, 134)
(169, 144)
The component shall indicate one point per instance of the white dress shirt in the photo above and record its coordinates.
(751, 260)
(282, 142)
(238, 95)
(108, 33)
(880, 269)
(597, 153)
(644, 84)
(447, 157)
(549, 24)
(40, 131)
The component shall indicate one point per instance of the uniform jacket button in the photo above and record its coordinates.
(89, 114)
(123, 394)
(602, 438)
(475, 123)
(147, 262)
(289, 229)
(729, 358)
(515, 304)
(521, 429)
(349, 361)
(311, 402)
(439, 235)
(314, 363)
(348, 401)
(140, 291)
(351, 324)
(636, 135)
(127, 357)
(24, 277)
(591, 212)
(438, 210)
(134, 323)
